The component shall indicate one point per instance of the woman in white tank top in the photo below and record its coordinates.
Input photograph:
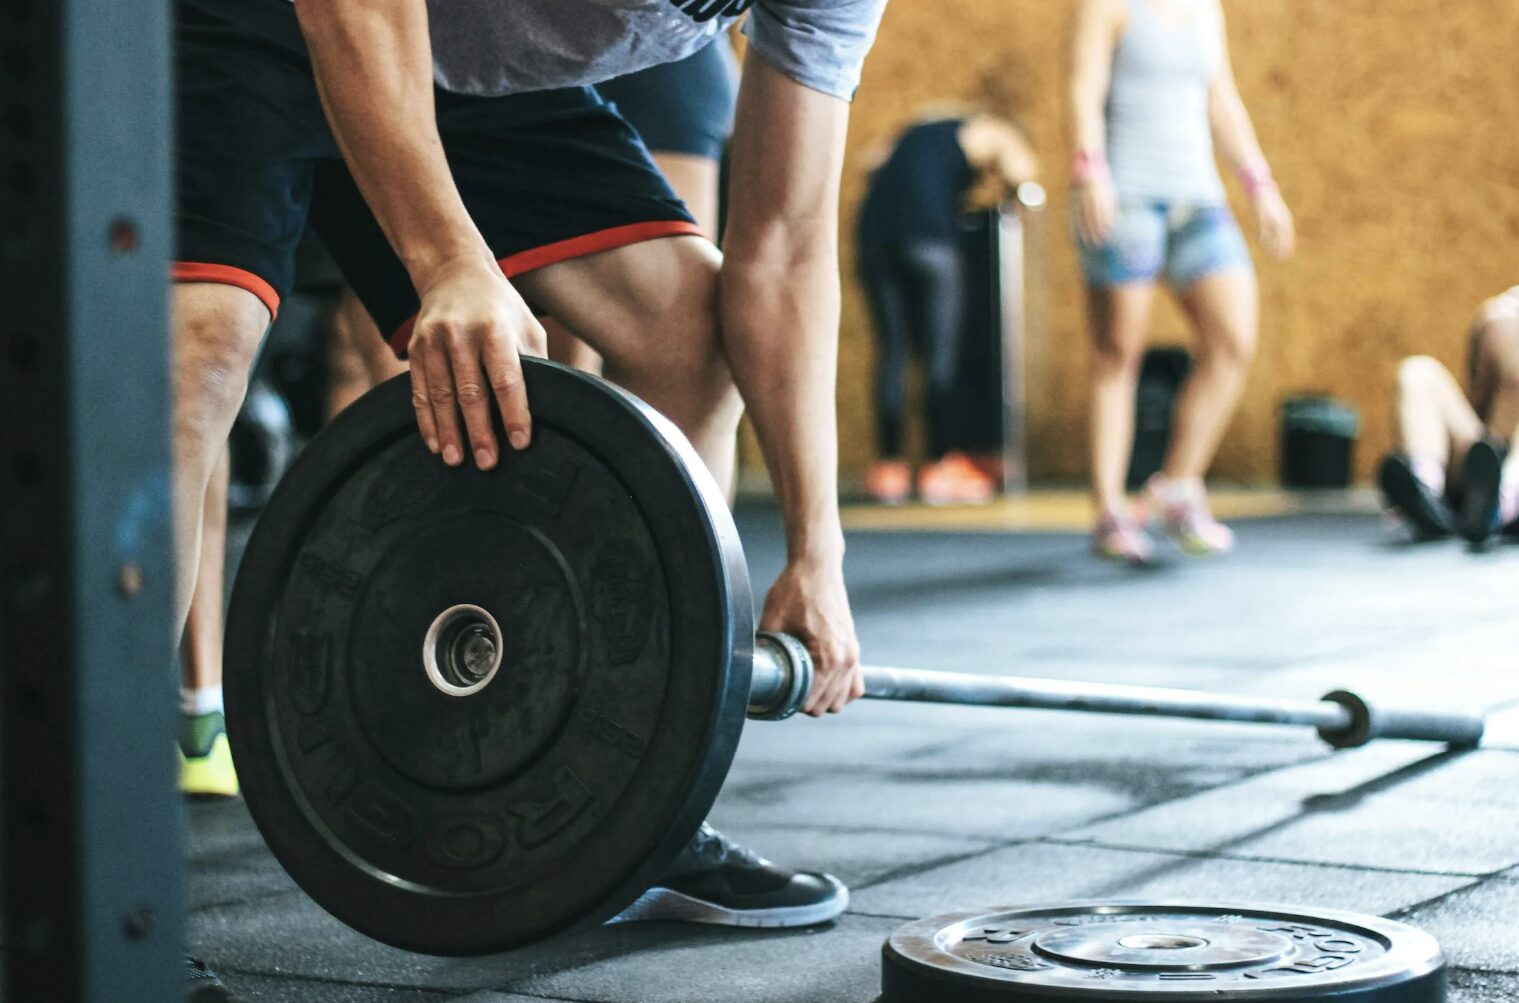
(1152, 92)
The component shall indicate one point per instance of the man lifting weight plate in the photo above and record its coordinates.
(464, 174)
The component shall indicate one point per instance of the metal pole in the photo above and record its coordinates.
(93, 843)
(883, 683)
(1009, 254)
(783, 672)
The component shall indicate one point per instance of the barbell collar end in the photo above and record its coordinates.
(782, 676)
(1457, 729)
(1359, 731)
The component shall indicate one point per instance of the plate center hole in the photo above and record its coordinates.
(462, 650)
(1161, 942)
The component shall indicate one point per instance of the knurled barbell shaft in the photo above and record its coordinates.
(783, 676)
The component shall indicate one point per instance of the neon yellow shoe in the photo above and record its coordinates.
(205, 758)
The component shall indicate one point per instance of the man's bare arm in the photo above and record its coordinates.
(373, 65)
(780, 310)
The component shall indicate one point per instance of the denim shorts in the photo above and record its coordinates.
(1185, 241)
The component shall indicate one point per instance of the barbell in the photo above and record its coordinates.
(782, 677)
(472, 709)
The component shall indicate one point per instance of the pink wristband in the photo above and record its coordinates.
(1088, 165)
(1257, 179)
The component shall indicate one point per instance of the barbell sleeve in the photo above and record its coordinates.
(783, 677)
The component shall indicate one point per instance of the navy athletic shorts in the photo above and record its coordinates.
(547, 176)
(681, 107)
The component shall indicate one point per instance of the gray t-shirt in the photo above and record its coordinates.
(490, 47)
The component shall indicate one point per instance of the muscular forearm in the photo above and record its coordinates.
(780, 293)
(780, 306)
(373, 63)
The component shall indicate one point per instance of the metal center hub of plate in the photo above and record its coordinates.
(1160, 942)
(462, 650)
(1168, 945)
(431, 690)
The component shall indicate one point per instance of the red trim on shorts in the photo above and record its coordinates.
(566, 250)
(227, 275)
(593, 243)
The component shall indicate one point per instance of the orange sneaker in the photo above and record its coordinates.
(955, 480)
(889, 481)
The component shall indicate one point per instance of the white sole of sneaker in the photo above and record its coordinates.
(669, 905)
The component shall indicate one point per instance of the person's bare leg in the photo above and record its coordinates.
(650, 310)
(217, 329)
(1120, 318)
(347, 375)
(202, 650)
(1435, 421)
(1223, 310)
(1495, 386)
(380, 362)
(358, 358)
(565, 348)
(1433, 429)
(206, 768)
(1498, 357)
(695, 180)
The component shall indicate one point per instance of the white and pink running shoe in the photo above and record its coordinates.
(1183, 506)
(1118, 537)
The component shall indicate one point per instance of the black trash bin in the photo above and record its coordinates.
(1318, 441)
(1160, 378)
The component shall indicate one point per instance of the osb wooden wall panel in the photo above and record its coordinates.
(1393, 126)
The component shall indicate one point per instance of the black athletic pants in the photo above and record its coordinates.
(915, 291)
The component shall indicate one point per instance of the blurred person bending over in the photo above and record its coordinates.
(913, 272)
(1152, 91)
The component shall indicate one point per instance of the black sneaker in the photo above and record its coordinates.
(715, 880)
(202, 985)
(1481, 479)
(1426, 511)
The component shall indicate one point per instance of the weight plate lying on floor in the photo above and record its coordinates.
(471, 709)
(1112, 951)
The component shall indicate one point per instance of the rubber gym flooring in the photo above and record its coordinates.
(927, 809)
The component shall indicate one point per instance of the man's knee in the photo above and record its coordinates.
(685, 345)
(216, 335)
(701, 365)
